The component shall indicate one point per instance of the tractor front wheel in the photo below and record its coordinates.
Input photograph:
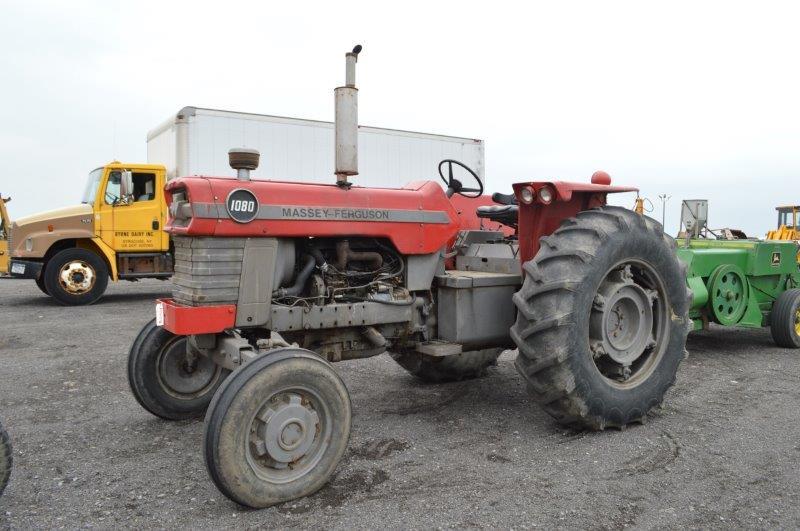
(277, 428)
(168, 381)
(602, 319)
(785, 319)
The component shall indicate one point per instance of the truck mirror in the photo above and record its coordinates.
(126, 187)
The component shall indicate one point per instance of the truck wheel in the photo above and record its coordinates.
(76, 277)
(168, 382)
(5, 459)
(602, 319)
(277, 428)
(785, 319)
(436, 369)
(40, 284)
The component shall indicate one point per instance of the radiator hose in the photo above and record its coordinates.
(302, 277)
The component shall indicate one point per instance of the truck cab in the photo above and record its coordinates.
(116, 233)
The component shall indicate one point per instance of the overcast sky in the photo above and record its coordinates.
(691, 99)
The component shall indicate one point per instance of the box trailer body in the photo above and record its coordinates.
(196, 141)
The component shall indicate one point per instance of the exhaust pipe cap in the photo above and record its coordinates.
(243, 158)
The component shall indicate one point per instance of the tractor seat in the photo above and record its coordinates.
(504, 214)
(504, 199)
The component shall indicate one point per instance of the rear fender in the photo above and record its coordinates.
(538, 219)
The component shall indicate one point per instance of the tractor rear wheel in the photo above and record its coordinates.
(785, 319)
(5, 459)
(166, 380)
(277, 428)
(602, 319)
(453, 368)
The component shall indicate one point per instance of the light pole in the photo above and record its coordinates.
(664, 198)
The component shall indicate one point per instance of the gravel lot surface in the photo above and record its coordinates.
(723, 452)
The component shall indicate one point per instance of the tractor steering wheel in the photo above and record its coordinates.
(454, 186)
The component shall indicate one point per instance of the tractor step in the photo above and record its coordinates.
(438, 349)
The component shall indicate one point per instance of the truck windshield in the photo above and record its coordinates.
(92, 183)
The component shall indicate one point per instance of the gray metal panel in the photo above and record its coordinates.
(315, 213)
(477, 317)
(258, 272)
(294, 318)
(421, 268)
(490, 257)
(207, 270)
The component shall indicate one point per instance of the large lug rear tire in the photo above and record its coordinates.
(453, 368)
(277, 428)
(5, 459)
(785, 319)
(602, 319)
(166, 380)
(76, 277)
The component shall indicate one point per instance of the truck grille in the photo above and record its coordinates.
(207, 270)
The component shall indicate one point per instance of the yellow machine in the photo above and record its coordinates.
(5, 224)
(788, 226)
(115, 233)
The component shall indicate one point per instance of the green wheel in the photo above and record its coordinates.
(728, 292)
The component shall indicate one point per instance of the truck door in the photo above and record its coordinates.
(133, 223)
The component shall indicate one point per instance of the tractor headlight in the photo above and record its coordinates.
(546, 195)
(526, 195)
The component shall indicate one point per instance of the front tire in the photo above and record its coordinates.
(5, 459)
(40, 284)
(602, 319)
(277, 428)
(76, 277)
(785, 319)
(168, 382)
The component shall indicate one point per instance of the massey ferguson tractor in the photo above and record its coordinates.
(276, 281)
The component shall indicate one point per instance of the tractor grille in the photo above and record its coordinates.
(207, 270)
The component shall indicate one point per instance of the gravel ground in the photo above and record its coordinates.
(723, 451)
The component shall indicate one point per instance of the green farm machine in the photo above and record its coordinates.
(740, 282)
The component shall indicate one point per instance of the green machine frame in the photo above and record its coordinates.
(736, 283)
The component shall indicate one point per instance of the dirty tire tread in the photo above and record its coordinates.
(6, 459)
(54, 266)
(782, 319)
(455, 368)
(222, 402)
(549, 318)
(141, 375)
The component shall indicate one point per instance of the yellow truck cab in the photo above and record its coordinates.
(5, 224)
(115, 233)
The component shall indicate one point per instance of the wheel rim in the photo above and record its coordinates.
(288, 435)
(797, 322)
(183, 375)
(77, 277)
(728, 293)
(628, 328)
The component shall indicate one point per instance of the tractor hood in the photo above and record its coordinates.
(46, 228)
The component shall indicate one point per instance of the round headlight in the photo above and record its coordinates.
(546, 195)
(526, 195)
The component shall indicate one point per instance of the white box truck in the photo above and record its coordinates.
(196, 142)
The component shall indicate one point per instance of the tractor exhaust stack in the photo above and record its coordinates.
(346, 127)
(244, 161)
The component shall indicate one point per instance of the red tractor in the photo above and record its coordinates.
(274, 281)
